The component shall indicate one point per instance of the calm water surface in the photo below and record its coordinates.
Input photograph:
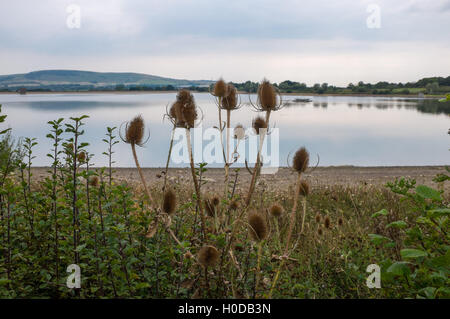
(365, 131)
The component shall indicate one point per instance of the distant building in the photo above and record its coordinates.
(22, 91)
(421, 95)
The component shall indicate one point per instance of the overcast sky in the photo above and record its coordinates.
(308, 41)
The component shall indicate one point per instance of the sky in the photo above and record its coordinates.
(315, 41)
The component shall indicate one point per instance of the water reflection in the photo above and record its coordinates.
(343, 130)
(432, 106)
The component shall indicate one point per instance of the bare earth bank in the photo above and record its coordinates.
(321, 176)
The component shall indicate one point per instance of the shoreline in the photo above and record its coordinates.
(325, 176)
(243, 93)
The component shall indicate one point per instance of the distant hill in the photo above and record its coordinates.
(74, 78)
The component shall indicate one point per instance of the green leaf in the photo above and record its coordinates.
(378, 239)
(438, 212)
(397, 224)
(412, 253)
(80, 248)
(427, 192)
(399, 268)
(381, 212)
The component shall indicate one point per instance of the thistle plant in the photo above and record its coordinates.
(300, 164)
(268, 100)
(134, 135)
(229, 102)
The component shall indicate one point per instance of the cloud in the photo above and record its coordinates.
(195, 38)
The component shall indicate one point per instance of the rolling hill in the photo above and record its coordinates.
(61, 78)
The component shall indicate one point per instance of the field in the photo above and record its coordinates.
(71, 231)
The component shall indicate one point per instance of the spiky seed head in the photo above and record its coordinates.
(234, 205)
(188, 255)
(190, 114)
(215, 200)
(134, 133)
(239, 132)
(94, 181)
(208, 256)
(209, 208)
(304, 188)
(258, 124)
(340, 221)
(301, 160)
(176, 114)
(170, 202)
(318, 218)
(70, 147)
(229, 101)
(185, 97)
(258, 226)
(327, 222)
(276, 210)
(320, 231)
(81, 157)
(267, 96)
(220, 88)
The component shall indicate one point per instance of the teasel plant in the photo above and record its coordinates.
(76, 131)
(207, 257)
(220, 91)
(185, 115)
(268, 100)
(258, 230)
(228, 103)
(299, 164)
(134, 135)
(304, 192)
(55, 136)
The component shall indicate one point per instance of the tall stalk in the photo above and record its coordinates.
(195, 181)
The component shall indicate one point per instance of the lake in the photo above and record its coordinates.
(342, 130)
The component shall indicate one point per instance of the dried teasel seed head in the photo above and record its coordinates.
(188, 255)
(70, 147)
(185, 97)
(276, 210)
(340, 221)
(208, 256)
(327, 222)
(258, 226)
(209, 208)
(81, 157)
(220, 88)
(267, 96)
(169, 202)
(318, 218)
(301, 160)
(190, 115)
(304, 188)
(320, 231)
(134, 131)
(229, 101)
(239, 132)
(259, 124)
(215, 200)
(94, 181)
(234, 205)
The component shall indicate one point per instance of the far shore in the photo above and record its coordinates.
(244, 93)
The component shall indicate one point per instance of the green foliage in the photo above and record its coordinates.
(423, 269)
